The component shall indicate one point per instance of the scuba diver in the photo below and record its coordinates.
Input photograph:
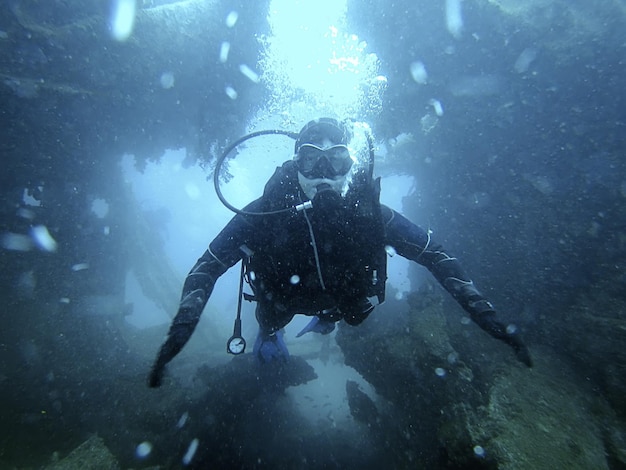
(315, 243)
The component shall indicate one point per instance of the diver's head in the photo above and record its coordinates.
(322, 155)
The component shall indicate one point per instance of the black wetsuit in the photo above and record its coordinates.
(308, 261)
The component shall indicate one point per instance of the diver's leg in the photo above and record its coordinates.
(269, 344)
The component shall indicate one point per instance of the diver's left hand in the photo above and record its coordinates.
(521, 351)
(156, 376)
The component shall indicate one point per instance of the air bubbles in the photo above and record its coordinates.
(295, 279)
(167, 80)
(511, 329)
(143, 450)
(440, 372)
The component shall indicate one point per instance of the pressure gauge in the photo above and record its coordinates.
(236, 345)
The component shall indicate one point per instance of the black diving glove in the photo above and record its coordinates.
(486, 320)
(521, 351)
(156, 376)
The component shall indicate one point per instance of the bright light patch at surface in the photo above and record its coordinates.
(313, 65)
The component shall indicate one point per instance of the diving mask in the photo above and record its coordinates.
(317, 162)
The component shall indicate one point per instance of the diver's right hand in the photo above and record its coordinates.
(156, 376)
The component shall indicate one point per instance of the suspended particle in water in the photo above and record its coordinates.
(231, 19)
(224, 51)
(191, 451)
(418, 72)
(454, 18)
(167, 80)
(231, 92)
(143, 450)
(295, 279)
(249, 73)
(183, 420)
(43, 239)
(122, 19)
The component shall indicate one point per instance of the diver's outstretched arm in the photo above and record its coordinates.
(414, 243)
(196, 291)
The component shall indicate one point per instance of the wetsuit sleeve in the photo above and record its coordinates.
(223, 252)
(416, 244)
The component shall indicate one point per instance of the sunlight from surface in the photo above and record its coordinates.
(312, 64)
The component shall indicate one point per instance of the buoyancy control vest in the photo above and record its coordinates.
(334, 250)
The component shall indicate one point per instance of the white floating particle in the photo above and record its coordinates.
(43, 239)
(249, 73)
(100, 208)
(295, 279)
(465, 320)
(479, 451)
(231, 19)
(252, 275)
(191, 451)
(16, 242)
(122, 19)
(436, 104)
(25, 213)
(64, 300)
(231, 92)
(183, 420)
(143, 450)
(453, 358)
(511, 328)
(80, 266)
(167, 80)
(192, 190)
(454, 20)
(524, 60)
(440, 372)
(418, 72)
(106, 230)
(224, 51)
